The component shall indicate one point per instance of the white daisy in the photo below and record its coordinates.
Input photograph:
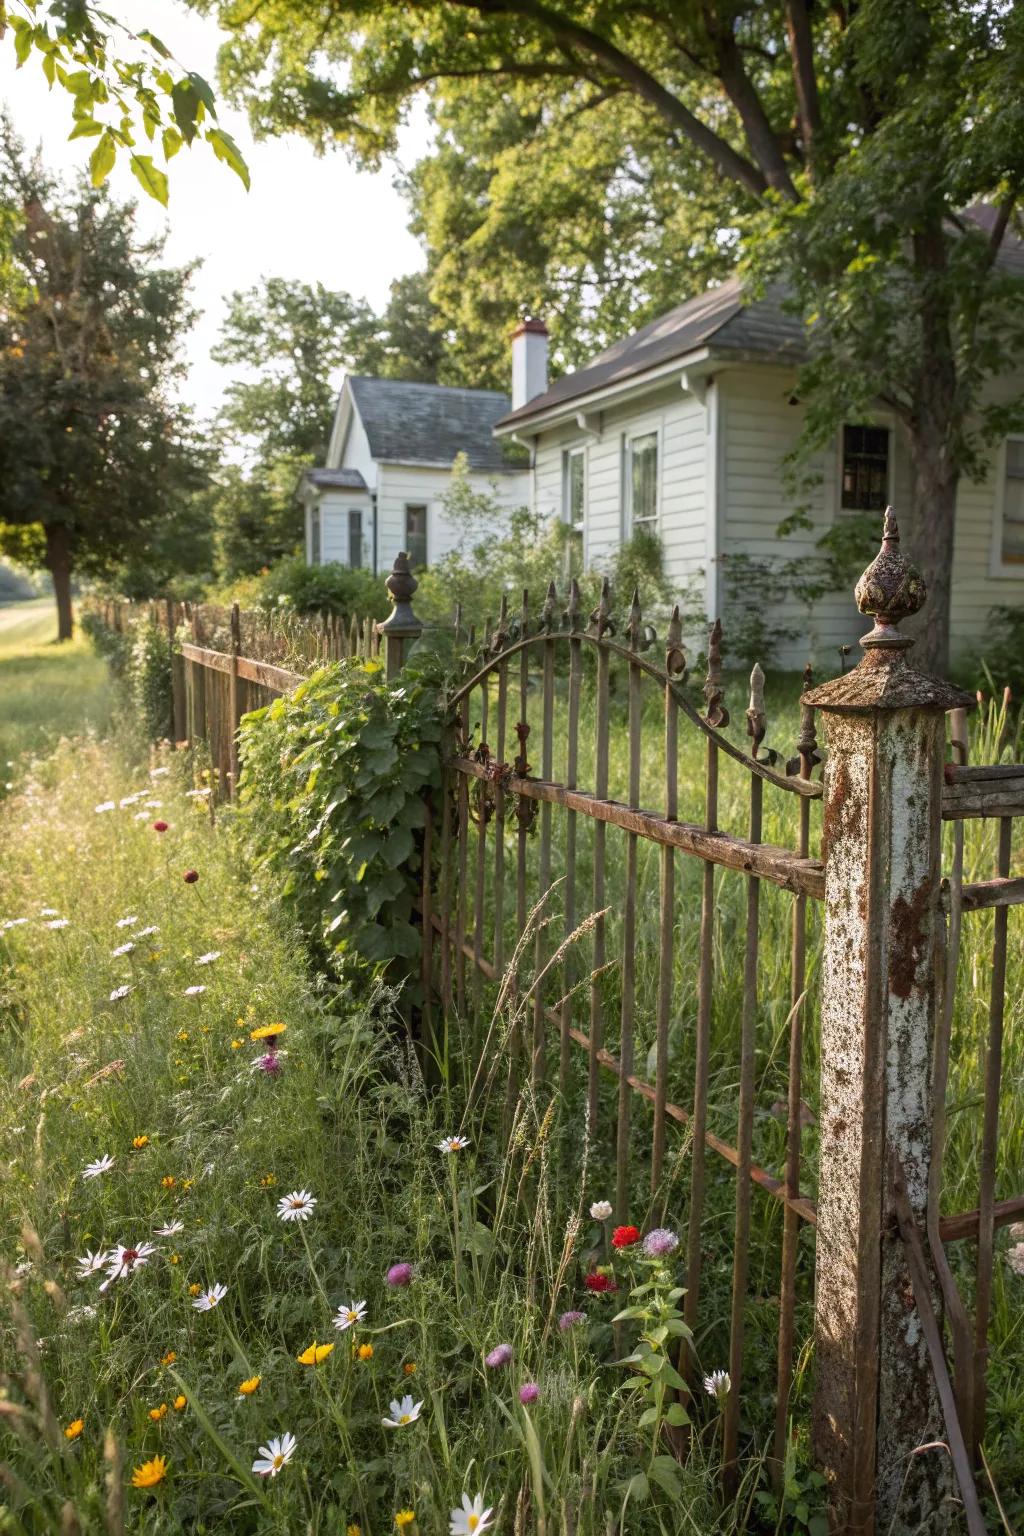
(404, 1412)
(141, 816)
(59, 922)
(48, 912)
(274, 1456)
(453, 1144)
(126, 922)
(170, 1229)
(213, 1297)
(122, 1262)
(144, 933)
(128, 800)
(348, 1316)
(718, 1385)
(108, 805)
(118, 993)
(92, 1262)
(194, 991)
(101, 1165)
(196, 794)
(122, 949)
(13, 922)
(154, 805)
(298, 1206)
(158, 773)
(208, 959)
(471, 1519)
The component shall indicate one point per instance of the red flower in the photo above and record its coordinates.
(191, 876)
(159, 826)
(625, 1237)
(599, 1282)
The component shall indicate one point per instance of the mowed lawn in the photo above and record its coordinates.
(47, 690)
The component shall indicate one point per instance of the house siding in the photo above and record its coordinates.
(399, 485)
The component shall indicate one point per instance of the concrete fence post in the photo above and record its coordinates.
(402, 626)
(884, 936)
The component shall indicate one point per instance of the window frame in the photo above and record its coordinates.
(653, 523)
(356, 512)
(881, 424)
(417, 506)
(315, 534)
(1000, 569)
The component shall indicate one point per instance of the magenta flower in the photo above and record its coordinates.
(529, 1392)
(400, 1274)
(570, 1319)
(190, 876)
(271, 1064)
(501, 1354)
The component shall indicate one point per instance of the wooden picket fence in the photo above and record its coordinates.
(537, 888)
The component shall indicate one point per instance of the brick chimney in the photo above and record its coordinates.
(529, 361)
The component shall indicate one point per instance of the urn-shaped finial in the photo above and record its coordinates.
(401, 585)
(890, 589)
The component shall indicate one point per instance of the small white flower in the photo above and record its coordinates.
(13, 922)
(404, 1412)
(1015, 1258)
(274, 1456)
(170, 1229)
(23, 1269)
(126, 922)
(154, 805)
(348, 1316)
(92, 1262)
(80, 1314)
(48, 912)
(158, 773)
(213, 1297)
(144, 933)
(471, 1519)
(108, 805)
(131, 799)
(118, 993)
(196, 794)
(101, 1165)
(298, 1206)
(208, 959)
(122, 949)
(208, 1171)
(122, 1262)
(141, 816)
(59, 922)
(194, 991)
(718, 1385)
(453, 1144)
(601, 1210)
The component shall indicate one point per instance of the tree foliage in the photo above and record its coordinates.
(99, 466)
(583, 148)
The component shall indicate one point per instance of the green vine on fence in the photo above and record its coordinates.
(333, 788)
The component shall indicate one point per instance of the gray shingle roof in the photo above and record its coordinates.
(431, 423)
(718, 318)
(347, 479)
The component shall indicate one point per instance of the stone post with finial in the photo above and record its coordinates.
(876, 1400)
(401, 627)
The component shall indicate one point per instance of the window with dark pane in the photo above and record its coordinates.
(1013, 502)
(643, 479)
(865, 469)
(314, 536)
(416, 535)
(355, 538)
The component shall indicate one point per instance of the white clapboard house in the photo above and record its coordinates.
(389, 465)
(682, 428)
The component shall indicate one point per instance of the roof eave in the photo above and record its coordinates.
(620, 389)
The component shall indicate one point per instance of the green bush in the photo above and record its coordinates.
(114, 646)
(332, 786)
(999, 662)
(150, 680)
(314, 589)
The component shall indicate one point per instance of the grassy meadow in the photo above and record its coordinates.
(48, 690)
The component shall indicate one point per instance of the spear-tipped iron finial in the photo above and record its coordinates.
(715, 712)
(675, 656)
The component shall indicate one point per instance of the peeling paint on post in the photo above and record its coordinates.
(401, 626)
(875, 1396)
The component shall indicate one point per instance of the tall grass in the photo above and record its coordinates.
(48, 690)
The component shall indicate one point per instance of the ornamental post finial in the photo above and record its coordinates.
(891, 589)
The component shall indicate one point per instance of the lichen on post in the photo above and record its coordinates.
(875, 1396)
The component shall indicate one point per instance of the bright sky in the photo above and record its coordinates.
(318, 220)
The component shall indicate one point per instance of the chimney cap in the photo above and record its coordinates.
(534, 327)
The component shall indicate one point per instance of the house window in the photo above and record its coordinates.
(1012, 545)
(355, 538)
(416, 535)
(314, 536)
(865, 479)
(642, 481)
(574, 508)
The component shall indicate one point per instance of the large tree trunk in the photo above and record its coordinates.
(58, 563)
(934, 528)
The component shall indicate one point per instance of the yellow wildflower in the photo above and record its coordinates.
(353, 1530)
(409, 1369)
(168, 1181)
(169, 1358)
(195, 1290)
(315, 1353)
(405, 1517)
(156, 1414)
(267, 1031)
(249, 1386)
(187, 1183)
(268, 1180)
(138, 1142)
(74, 1429)
(180, 1403)
(366, 1351)
(182, 1035)
(150, 1473)
(236, 1045)
(175, 1258)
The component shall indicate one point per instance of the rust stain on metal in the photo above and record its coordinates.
(909, 939)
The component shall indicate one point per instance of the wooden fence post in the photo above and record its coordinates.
(876, 1400)
(402, 625)
(233, 711)
(179, 726)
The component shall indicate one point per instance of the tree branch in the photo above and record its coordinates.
(801, 52)
(740, 90)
